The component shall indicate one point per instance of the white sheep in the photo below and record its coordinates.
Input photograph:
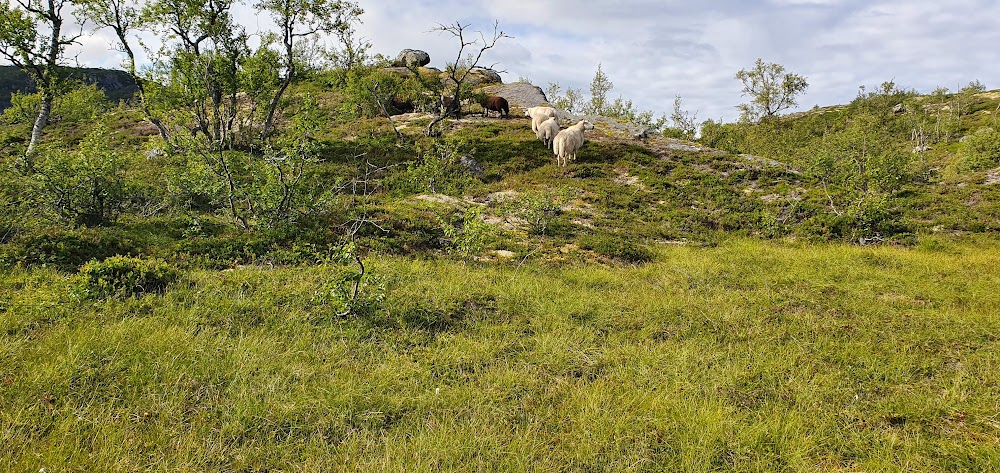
(568, 141)
(547, 131)
(538, 115)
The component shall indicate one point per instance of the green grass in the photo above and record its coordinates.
(748, 356)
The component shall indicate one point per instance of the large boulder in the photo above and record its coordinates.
(412, 57)
(519, 94)
(482, 75)
(478, 76)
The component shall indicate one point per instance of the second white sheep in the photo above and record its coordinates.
(538, 115)
(547, 131)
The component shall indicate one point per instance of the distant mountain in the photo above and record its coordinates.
(115, 84)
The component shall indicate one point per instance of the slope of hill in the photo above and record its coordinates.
(621, 195)
(462, 303)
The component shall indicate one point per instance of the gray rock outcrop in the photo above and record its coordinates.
(472, 165)
(412, 58)
(519, 94)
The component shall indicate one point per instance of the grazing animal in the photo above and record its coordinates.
(538, 115)
(568, 141)
(402, 105)
(547, 131)
(496, 104)
(446, 102)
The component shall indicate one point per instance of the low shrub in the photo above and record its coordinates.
(618, 248)
(981, 150)
(124, 276)
(63, 249)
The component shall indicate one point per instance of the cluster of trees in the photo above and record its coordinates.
(862, 155)
(213, 99)
(236, 139)
(598, 103)
(770, 88)
(206, 81)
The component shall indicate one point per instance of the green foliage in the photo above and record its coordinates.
(62, 249)
(437, 170)
(617, 247)
(258, 79)
(23, 108)
(724, 136)
(538, 209)
(861, 158)
(123, 276)
(872, 217)
(205, 77)
(88, 186)
(368, 89)
(770, 88)
(193, 185)
(683, 124)
(282, 191)
(258, 189)
(84, 102)
(571, 101)
(19, 207)
(355, 289)
(625, 110)
(470, 234)
(600, 85)
(981, 150)
(19, 35)
(599, 104)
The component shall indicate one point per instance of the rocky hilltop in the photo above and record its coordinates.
(116, 84)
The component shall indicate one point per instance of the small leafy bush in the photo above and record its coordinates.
(618, 248)
(538, 209)
(877, 217)
(355, 289)
(23, 108)
(89, 186)
(81, 103)
(469, 234)
(437, 171)
(124, 276)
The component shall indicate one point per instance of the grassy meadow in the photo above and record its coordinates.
(747, 356)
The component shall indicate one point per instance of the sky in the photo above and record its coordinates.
(653, 50)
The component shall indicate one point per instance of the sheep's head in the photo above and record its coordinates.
(586, 125)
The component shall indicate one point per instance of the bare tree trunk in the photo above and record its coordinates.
(290, 72)
(40, 123)
(48, 74)
(385, 112)
(454, 108)
(272, 107)
(141, 89)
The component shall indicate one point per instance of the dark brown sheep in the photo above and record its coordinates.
(402, 105)
(496, 104)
